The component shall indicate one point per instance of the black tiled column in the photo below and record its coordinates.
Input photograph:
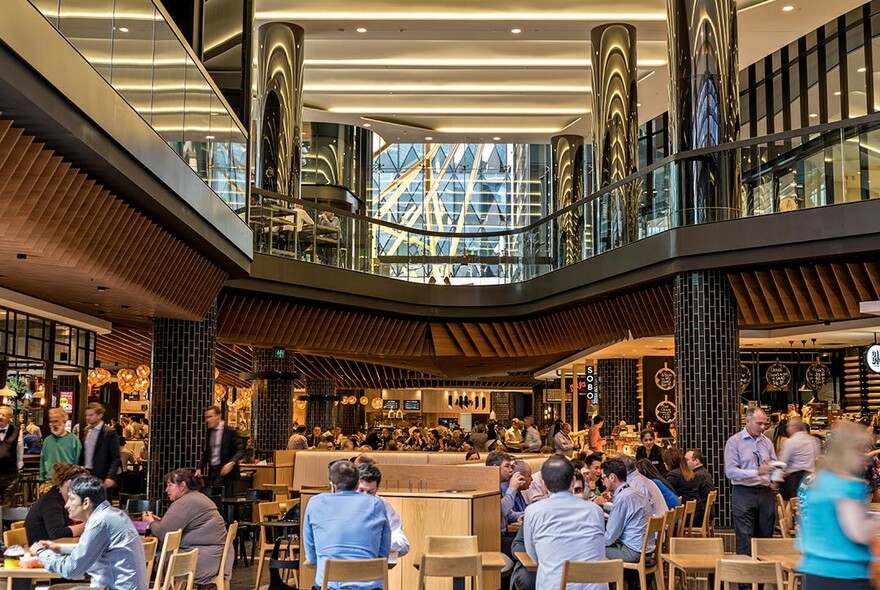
(618, 391)
(321, 409)
(272, 401)
(183, 386)
(348, 415)
(706, 354)
(502, 403)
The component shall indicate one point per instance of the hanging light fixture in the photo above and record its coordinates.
(376, 402)
(125, 379)
(364, 400)
(143, 384)
(219, 392)
(144, 371)
(301, 404)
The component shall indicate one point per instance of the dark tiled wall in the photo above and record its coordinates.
(271, 403)
(501, 402)
(183, 384)
(321, 410)
(348, 415)
(618, 391)
(706, 354)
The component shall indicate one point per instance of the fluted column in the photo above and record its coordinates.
(704, 107)
(568, 186)
(615, 132)
(278, 108)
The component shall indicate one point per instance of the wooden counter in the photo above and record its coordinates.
(435, 512)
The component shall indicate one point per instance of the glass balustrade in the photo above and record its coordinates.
(134, 46)
(814, 167)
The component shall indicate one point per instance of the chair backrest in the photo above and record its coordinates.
(266, 511)
(590, 572)
(254, 494)
(355, 570)
(782, 518)
(140, 505)
(440, 545)
(706, 525)
(684, 545)
(15, 537)
(181, 565)
(231, 533)
(653, 531)
(280, 491)
(170, 547)
(18, 524)
(679, 520)
(735, 571)
(151, 545)
(668, 529)
(452, 566)
(690, 508)
(773, 547)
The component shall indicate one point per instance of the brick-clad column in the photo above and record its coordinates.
(501, 402)
(272, 401)
(321, 409)
(618, 391)
(707, 358)
(183, 387)
(348, 415)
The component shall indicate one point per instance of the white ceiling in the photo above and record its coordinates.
(453, 70)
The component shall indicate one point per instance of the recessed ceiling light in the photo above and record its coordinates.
(367, 125)
(837, 93)
(787, 8)
(428, 138)
(361, 30)
(813, 115)
(123, 29)
(516, 31)
(861, 70)
(209, 137)
(496, 138)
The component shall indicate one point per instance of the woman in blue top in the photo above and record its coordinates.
(835, 528)
(647, 469)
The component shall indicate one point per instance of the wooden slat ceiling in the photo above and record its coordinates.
(78, 236)
(804, 294)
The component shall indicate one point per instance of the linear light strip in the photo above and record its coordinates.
(386, 110)
(450, 88)
(469, 62)
(296, 16)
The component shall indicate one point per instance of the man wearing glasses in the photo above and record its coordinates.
(748, 461)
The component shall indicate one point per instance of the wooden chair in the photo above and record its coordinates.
(679, 521)
(355, 570)
(151, 544)
(773, 547)
(266, 511)
(170, 547)
(706, 528)
(15, 537)
(729, 572)
(221, 582)
(280, 491)
(686, 546)
(181, 573)
(18, 524)
(649, 562)
(451, 566)
(783, 518)
(690, 508)
(586, 572)
(668, 529)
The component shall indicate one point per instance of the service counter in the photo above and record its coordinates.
(435, 512)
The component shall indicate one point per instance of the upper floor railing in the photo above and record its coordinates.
(812, 167)
(137, 48)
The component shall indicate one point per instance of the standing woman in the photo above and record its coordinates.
(197, 515)
(650, 451)
(836, 530)
(595, 440)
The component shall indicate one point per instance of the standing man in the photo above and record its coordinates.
(100, 446)
(747, 458)
(562, 527)
(562, 441)
(223, 450)
(799, 455)
(109, 549)
(60, 446)
(531, 442)
(345, 524)
(11, 456)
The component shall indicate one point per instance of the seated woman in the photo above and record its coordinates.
(197, 516)
(681, 478)
(646, 468)
(47, 519)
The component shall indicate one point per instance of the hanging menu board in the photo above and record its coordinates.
(412, 405)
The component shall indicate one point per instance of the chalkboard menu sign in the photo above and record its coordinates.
(412, 405)
(665, 378)
(659, 403)
(745, 377)
(391, 404)
(817, 375)
(778, 375)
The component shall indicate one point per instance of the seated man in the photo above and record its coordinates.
(109, 551)
(370, 478)
(630, 513)
(345, 525)
(562, 527)
(513, 504)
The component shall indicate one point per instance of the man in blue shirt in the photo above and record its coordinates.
(345, 525)
(628, 520)
(109, 550)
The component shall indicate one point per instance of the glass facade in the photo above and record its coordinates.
(28, 337)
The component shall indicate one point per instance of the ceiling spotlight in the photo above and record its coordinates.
(209, 137)
(787, 8)
(861, 70)
(367, 125)
(361, 30)
(837, 93)
(123, 29)
(516, 31)
(496, 139)
(428, 138)
(813, 115)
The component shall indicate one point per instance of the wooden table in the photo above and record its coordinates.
(694, 563)
(493, 561)
(24, 578)
(789, 561)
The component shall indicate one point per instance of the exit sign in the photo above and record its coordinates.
(280, 353)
